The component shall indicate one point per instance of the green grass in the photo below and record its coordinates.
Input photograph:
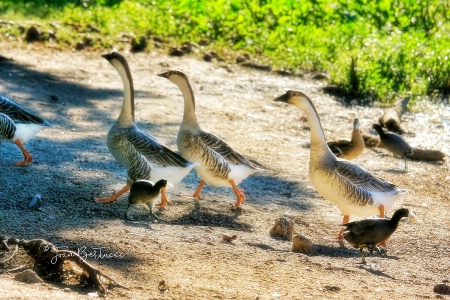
(398, 47)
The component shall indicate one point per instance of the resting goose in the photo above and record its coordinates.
(370, 232)
(220, 165)
(140, 153)
(348, 185)
(349, 149)
(394, 143)
(18, 126)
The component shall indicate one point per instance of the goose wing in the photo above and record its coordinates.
(18, 114)
(7, 127)
(360, 178)
(340, 147)
(154, 151)
(221, 147)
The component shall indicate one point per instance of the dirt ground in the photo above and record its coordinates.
(81, 94)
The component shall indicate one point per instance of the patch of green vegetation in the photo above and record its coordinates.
(374, 49)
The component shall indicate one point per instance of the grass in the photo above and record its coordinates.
(377, 50)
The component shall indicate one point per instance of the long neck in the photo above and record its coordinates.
(189, 117)
(126, 116)
(318, 142)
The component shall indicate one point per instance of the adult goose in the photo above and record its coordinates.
(369, 233)
(220, 165)
(353, 189)
(140, 153)
(394, 143)
(18, 126)
(349, 149)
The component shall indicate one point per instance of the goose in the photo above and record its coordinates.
(220, 165)
(352, 188)
(349, 149)
(18, 126)
(144, 192)
(142, 155)
(370, 232)
(394, 143)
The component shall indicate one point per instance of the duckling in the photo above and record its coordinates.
(141, 154)
(370, 232)
(352, 188)
(394, 143)
(349, 149)
(18, 126)
(220, 165)
(144, 192)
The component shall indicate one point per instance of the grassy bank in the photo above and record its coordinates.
(375, 49)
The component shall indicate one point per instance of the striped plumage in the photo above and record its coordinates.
(348, 185)
(220, 165)
(140, 153)
(18, 126)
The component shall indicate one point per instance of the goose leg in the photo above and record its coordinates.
(114, 196)
(198, 190)
(239, 194)
(27, 156)
(381, 210)
(164, 201)
(344, 221)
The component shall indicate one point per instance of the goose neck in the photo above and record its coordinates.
(318, 142)
(126, 116)
(189, 116)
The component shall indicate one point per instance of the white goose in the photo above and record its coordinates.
(18, 126)
(140, 153)
(219, 165)
(348, 185)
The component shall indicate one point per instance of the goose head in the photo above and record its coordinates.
(356, 124)
(174, 76)
(295, 98)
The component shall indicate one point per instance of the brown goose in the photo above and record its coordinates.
(220, 165)
(139, 152)
(349, 149)
(370, 232)
(18, 126)
(348, 185)
(394, 143)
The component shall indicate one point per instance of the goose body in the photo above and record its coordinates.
(220, 165)
(394, 143)
(137, 151)
(18, 126)
(370, 232)
(349, 149)
(352, 188)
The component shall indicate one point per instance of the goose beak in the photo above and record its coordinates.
(165, 74)
(283, 98)
(108, 56)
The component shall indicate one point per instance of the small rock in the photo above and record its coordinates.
(33, 34)
(301, 244)
(138, 45)
(442, 288)
(228, 239)
(28, 276)
(284, 228)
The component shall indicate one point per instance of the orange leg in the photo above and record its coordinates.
(381, 210)
(344, 221)
(115, 196)
(198, 190)
(239, 194)
(164, 201)
(27, 156)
